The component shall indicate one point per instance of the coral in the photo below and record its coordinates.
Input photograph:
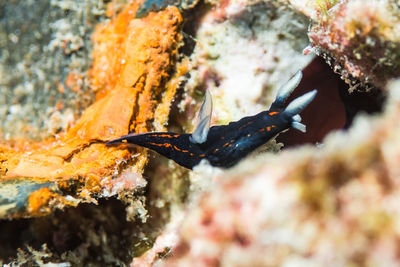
(140, 55)
(41, 44)
(334, 203)
(360, 41)
(246, 47)
(312, 206)
(331, 204)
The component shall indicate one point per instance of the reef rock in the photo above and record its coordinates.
(133, 60)
(331, 205)
(361, 41)
(332, 202)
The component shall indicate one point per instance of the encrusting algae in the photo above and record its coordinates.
(133, 61)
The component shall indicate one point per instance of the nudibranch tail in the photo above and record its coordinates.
(285, 91)
(296, 106)
(146, 139)
(204, 118)
(121, 140)
(171, 145)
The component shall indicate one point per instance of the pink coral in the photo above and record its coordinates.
(331, 206)
(361, 40)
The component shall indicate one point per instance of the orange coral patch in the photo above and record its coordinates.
(133, 59)
(39, 200)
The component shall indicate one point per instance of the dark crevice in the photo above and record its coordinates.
(88, 235)
(370, 102)
(334, 107)
(177, 118)
(191, 26)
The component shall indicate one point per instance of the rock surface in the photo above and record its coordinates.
(361, 42)
(334, 203)
(138, 56)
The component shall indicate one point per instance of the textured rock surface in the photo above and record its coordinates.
(45, 50)
(361, 42)
(331, 204)
(334, 204)
(251, 47)
(132, 75)
(142, 57)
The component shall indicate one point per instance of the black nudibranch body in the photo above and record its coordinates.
(225, 145)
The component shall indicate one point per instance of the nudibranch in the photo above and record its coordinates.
(225, 145)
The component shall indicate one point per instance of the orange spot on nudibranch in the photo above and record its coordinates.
(163, 144)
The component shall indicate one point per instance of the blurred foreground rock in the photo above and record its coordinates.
(332, 205)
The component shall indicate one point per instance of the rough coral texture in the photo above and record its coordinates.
(140, 55)
(45, 52)
(250, 47)
(333, 205)
(361, 41)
